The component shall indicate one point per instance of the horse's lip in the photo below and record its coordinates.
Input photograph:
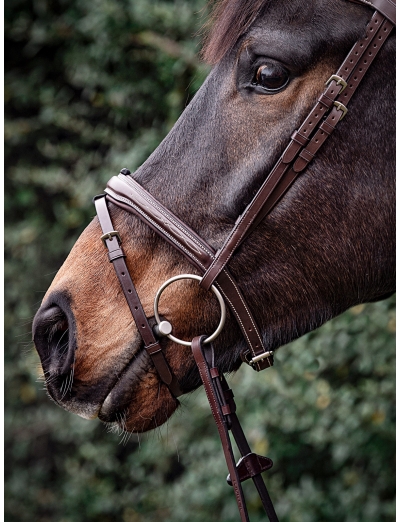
(107, 409)
(110, 409)
(91, 407)
(123, 387)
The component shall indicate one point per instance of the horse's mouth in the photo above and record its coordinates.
(118, 394)
(122, 392)
(122, 388)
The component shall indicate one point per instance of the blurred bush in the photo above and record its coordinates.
(92, 86)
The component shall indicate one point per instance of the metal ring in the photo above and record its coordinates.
(213, 288)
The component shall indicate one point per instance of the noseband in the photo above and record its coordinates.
(126, 193)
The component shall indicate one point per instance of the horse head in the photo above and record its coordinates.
(327, 245)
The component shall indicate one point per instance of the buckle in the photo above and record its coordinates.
(249, 466)
(341, 107)
(338, 80)
(110, 235)
(260, 357)
(246, 357)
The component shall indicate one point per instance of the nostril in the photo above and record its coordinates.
(52, 338)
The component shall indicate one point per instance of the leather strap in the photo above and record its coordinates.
(223, 408)
(363, 63)
(385, 7)
(304, 145)
(116, 256)
(129, 195)
(327, 108)
(251, 465)
(220, 422)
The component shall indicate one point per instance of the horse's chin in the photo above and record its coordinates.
(138, 401)
(142, 409)
(86, 410)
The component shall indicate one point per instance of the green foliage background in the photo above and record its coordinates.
(91, 86)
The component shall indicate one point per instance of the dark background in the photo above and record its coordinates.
(93, 86)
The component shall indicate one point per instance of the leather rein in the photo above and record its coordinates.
(127, 194)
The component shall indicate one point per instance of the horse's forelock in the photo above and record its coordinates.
(228, 21)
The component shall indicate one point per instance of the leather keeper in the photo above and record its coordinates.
(115, 254)
(228, 396)
(299, 138)
(303, 160)
(251, 465)
(163, 369)
(161, 366)
(153, 348)
(326, 100)
(214, 372)
(226, 410)
(306, 155)
(326, 127)
(267, 362)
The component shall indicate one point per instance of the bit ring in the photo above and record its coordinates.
(214, 290)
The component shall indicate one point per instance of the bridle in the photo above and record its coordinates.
(127, 194)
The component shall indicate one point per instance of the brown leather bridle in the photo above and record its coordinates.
(126, 193)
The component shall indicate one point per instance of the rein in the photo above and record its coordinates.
(126, 193)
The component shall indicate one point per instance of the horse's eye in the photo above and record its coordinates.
(272, 77)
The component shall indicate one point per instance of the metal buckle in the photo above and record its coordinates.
(342, 108)
(260, 357)
(110, 235)
(338, 80)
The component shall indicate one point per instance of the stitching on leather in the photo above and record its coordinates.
(237, 315)
(138, 209)
(216, 259)
(213, 264)
(323, 138)
(218, 422)
(237, 318)
(178, 225)
(245, 306)
(170, 218)
(370, 3)
(183, 230)
(121, 198)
